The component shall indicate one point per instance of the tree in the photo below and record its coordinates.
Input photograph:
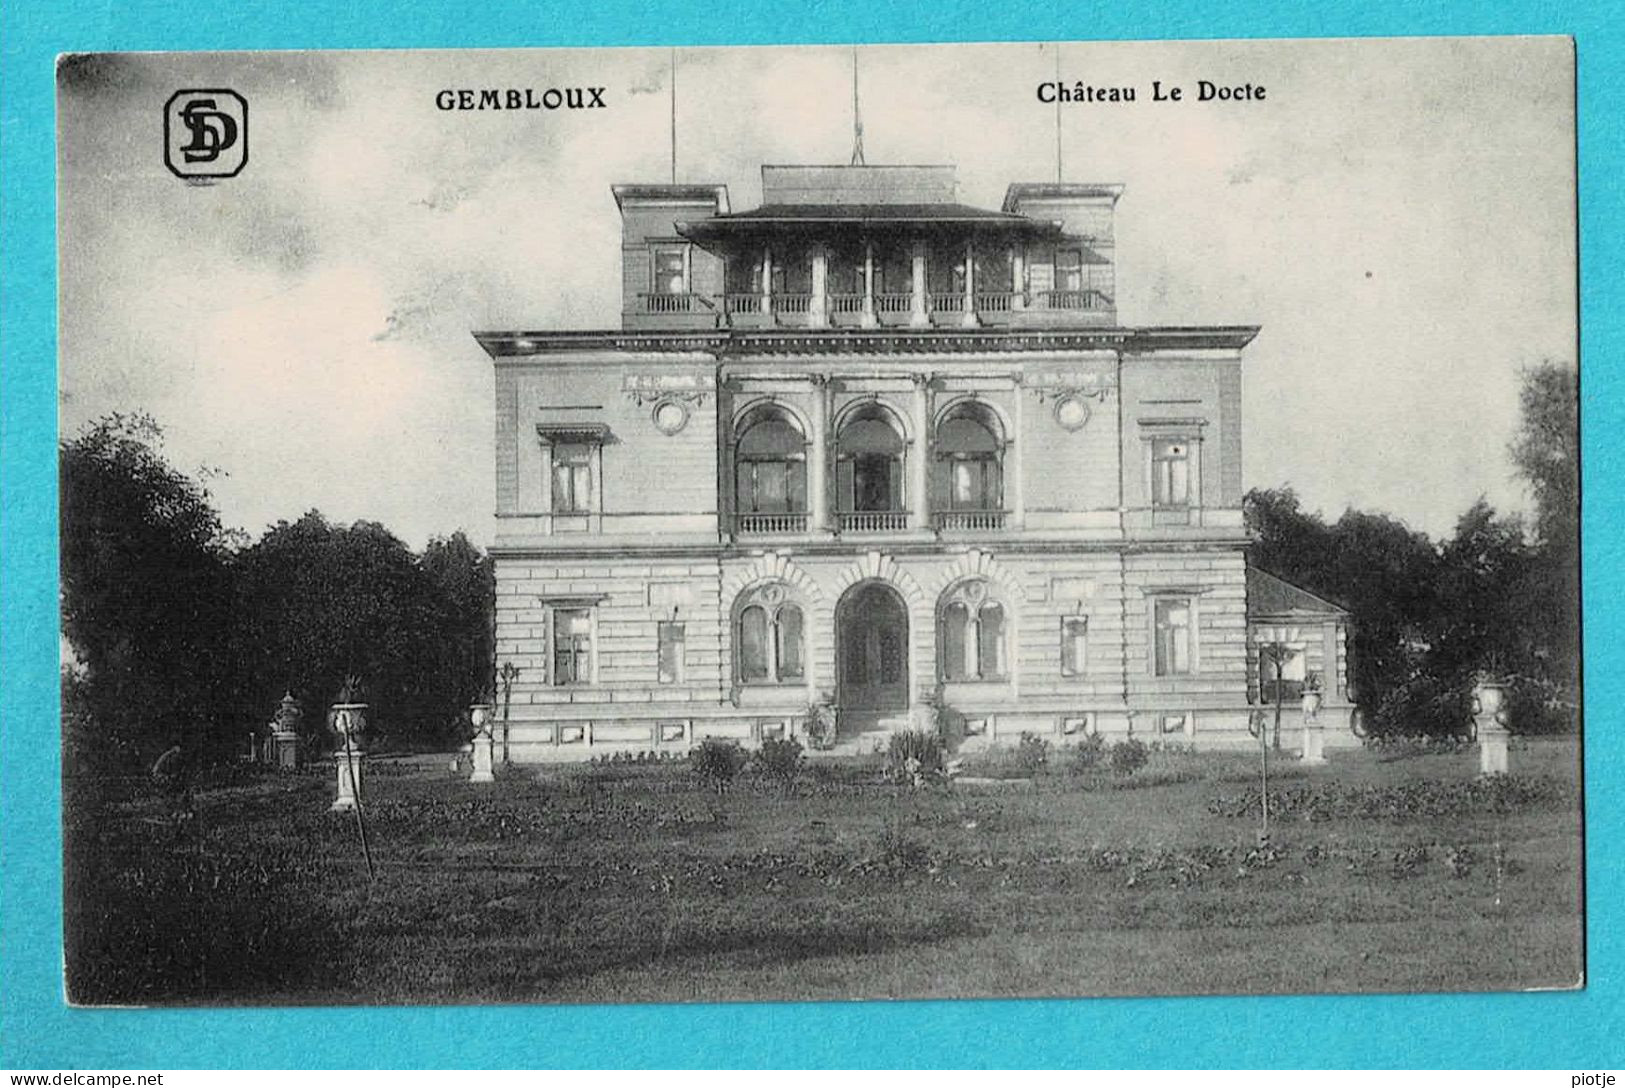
(144, 587)
(1377, 567)
(1546, 454)
(1546, 451)
(321, 602)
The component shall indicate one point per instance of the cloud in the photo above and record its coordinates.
(306, 325)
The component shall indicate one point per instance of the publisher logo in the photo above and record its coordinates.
(206, 134)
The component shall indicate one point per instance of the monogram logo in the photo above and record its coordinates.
(206, 134)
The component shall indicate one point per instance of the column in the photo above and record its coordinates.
(868, 318)
(818, 307)
(767, 280)
(969, 317)
(818, 457)
(1018, 278)
(919, 315)
(1330, 682)
(1015, 498)
(919, 509)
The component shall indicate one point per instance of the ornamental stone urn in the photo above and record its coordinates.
(1314, 729)
(347, 722)
(285, 733)
(1490, 722)
(484, 753)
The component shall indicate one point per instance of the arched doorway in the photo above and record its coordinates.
(871, 648)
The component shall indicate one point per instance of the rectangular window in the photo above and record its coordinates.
(1170, 472)
(572, 479)
(572, 646)
(1294, 671)
(1172, 635)
(670, 637)
(772, 487)
(1069, 270)
(1074, 645)
(671, 271)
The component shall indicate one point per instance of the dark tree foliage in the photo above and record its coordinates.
(187, 635)
(1546, 454)
(145, 591)
(325, 602)
(1429, 618)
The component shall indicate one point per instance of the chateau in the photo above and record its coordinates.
(869, 446)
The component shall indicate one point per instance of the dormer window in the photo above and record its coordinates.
(671, 270)
(1069, 270)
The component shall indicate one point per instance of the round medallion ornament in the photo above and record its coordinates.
(670, 416)
(1071, 412)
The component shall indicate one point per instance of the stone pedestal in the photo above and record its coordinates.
(282, 747)
(484, 744)
(348, 723)
(285, 751)
(1314, 742)
(1492, 748)
(1314, 730)
(484, 759)
(348, 765)
(1489, 721)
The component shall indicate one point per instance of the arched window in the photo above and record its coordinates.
(769, 638)
(869, 471)
(770, 466)
(972, 633)
(971, 455)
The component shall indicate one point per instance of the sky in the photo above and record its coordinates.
(1397, 216)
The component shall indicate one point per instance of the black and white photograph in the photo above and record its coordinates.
(820, 523)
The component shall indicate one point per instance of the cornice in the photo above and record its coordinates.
(749, 343)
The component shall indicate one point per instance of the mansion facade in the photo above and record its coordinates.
(870, 447)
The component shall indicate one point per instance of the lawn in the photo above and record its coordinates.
(634, 882)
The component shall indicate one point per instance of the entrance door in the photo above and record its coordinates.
(872, 638)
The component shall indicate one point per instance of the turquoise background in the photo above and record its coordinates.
(1572, 1030)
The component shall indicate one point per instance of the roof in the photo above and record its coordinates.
(1269, 595)
(715, 195)
(945, 214)
(875, 211)
(1059, 190)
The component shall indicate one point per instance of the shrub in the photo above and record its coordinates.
(914, 755)
(1499, 795)
(1127, 756)
(779, 760)
(1032, 752)
(1088, 754)
(820, 724)
(717, 762)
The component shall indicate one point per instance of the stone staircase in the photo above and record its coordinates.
(866, 736)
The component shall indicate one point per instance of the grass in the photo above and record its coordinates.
(637, 883)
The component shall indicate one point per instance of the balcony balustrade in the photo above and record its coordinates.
(792, 304)
(750, 303)
(889, 308)
(969, 520)
(874, 521)
(658, 303)
(760, 524)
(1071, 299)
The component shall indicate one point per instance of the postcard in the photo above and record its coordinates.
(820, 523)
